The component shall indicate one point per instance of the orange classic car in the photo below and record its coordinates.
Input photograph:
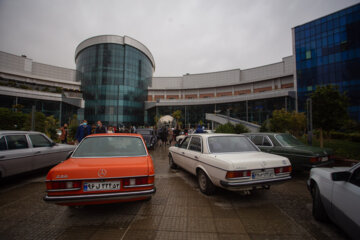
(104, 168)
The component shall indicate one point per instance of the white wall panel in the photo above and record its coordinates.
(214, 79)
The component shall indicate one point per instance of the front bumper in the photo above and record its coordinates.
(255, 183)
(321, 164)
(99, 197)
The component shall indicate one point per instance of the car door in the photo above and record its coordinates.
(45, 154)
(179, 153)
(345, 202)
(15, 154)
(193, 153)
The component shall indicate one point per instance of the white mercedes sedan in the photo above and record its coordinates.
(229, 161)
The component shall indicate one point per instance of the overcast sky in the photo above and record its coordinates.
(184, 36)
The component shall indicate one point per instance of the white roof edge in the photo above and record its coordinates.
(115, 39)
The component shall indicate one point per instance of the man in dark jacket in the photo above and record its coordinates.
(100, 128)
(82, 131)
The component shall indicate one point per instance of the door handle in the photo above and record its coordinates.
(37, 152)
(183, 153)
(2, 157)
(196, 157)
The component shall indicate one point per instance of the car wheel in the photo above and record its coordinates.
(171, 162)
(318, 209)
(205, 184)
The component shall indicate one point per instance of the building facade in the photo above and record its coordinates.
(249, 95)
(51, 90)
(327, 51)
(115, 73)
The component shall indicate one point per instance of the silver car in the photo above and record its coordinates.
(22, 151)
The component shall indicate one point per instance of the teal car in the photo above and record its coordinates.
(300, 155)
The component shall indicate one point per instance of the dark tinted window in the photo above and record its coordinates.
(39, 140)
(258, 140)
(16, 142)
(2, 144)
(224, 144)
(267, 142)
(195, 144)
(185, 143)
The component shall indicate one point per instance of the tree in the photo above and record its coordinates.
(329, 109)
(177, 115)
(284, 121)
(39, 122)
(51, 124)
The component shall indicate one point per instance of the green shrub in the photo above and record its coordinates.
(226, 128)
(229, 128)
(239, 128)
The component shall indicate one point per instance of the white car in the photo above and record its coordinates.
(336, 195)
(229, 161)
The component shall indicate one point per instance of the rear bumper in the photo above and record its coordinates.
(99, 197)
(255, 183)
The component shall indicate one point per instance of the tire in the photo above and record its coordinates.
(318, 209)
(205, 184)
(171, 162)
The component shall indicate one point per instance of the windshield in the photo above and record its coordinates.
(288, 140)
(223, 144)
(144, 132)
(110, 146)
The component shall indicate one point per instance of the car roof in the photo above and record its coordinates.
(17, 132)
(115, 134)
(264, 133)
(207, 135)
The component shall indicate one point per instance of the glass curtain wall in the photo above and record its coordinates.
(114, 81)
(328, 52)
(257, 110)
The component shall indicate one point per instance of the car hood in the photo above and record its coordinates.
(317, 151)
(252, 160)
(79, 168)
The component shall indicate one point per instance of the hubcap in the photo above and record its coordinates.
(202, 181)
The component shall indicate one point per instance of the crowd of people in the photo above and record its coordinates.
(165, 134)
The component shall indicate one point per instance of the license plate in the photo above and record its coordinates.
(258, 174)
(101, 186)
(324, 159)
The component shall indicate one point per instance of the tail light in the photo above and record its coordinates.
(315, 159)
(282, 170)
(238, 174)
(133, 182)
(64, 185)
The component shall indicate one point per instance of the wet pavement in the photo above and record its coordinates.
(178, 210)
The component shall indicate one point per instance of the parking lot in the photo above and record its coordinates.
(177, 211)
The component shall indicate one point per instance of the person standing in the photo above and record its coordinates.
(100, 128)
(82, 131)
(64, 133)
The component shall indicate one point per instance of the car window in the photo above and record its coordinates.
(111, 146)
(267, 142)
(223, 144)
(2, 144)
(195, 144)
(288, 140)
(39, 140)
(258, 140)
(185, 143)
(355, 177)
(16, 142)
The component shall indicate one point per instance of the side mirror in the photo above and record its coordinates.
(53, 144)
(340, 176)
(176, 145)
(69, 155)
